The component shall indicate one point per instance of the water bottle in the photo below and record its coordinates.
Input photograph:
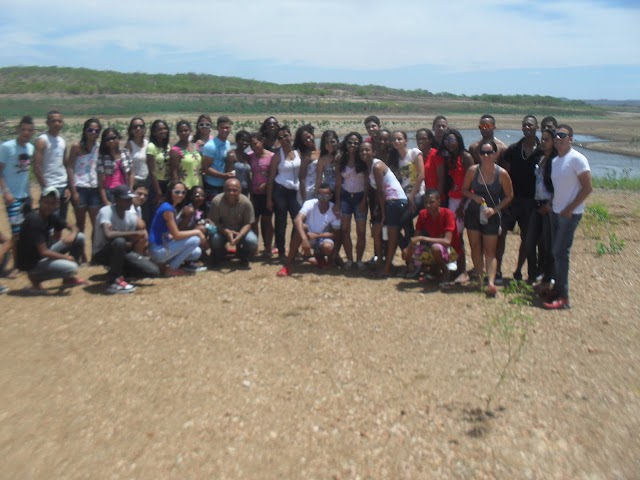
(385, 233)
(483, 214)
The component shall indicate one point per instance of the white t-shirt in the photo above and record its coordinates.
(564, 175)
(108, 215)
(139, 159)
(317, 221)
(408, 172)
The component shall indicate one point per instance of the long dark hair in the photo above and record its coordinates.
(445, 153)
(87, 124)
(394, 154)
(196, 136)
(344, 153)
(326, 136)
(153, 135)
(298, 141)
(130, 129)
(172, 184)
(104, 146)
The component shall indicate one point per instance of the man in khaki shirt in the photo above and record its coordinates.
(232, 214)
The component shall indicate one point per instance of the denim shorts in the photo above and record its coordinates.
(350, 204)
(394, 211)
(88, 197)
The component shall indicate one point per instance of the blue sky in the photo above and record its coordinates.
(579, 49)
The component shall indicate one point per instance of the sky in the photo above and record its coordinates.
(578, 49)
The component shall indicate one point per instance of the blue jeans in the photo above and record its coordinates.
(176, 252)
(564, 230)
(247, 246)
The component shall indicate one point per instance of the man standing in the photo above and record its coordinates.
(118, 230)
(50, 162)
(372, 124)
(15, 160)
(39, 256)
(232, 214)
(571, 177)
(214, 157)
(315, 229)
(487, 127)
(519, 162)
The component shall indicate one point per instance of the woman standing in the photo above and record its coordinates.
(488, 186)
(283, 186)
(83, 176)
(185, 162)
(169, 246)
(305, 144)
(392, 202)
(435, 173)
(158, 161)
(137, 146)
(113, 166)
(328, 163)
(539, 231)
(203, 132)
(457, 162)
(260, 159)
(238, 161)
(351, 198)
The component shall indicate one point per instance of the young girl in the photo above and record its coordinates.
(113, 166)
(260, 159)
(305, 144)
(351, 198)
(238, 161)
(185, 162)
(169, 246)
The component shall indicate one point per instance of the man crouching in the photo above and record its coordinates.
(314, 229)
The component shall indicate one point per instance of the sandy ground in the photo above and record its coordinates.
(239, 374)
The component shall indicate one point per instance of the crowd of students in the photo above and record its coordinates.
(160, 208)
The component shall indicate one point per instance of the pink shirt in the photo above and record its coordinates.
(260, 169)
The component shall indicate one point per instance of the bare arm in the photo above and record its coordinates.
(466, 186)
(586, 187)
(38, 158)
(273, 169)
(8, 197)
(177, 234)
(174, 164)
(71, 165)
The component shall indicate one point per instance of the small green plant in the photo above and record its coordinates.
(508, 331)
(615, 245)
(595, 221)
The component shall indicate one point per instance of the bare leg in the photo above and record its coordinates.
(346, 237)
(475, 243)
(361, 231)
(489, 243)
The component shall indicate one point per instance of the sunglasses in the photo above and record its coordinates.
(138, 126)
(110, 139)
(353, 144)
(282, 137)
(486, 153)
(92, 130)
(561, 135)
(324, 196)
(204, 125)
(179, 192)
(485, 126)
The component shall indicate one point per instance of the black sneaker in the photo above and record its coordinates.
(499, 280)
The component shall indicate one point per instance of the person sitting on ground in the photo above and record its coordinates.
(169, 246)
(232, 214)
(114, 243)
(194, 215)
(315, 229)
(39, 256)
(437, 241)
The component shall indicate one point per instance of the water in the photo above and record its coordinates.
(602, 164)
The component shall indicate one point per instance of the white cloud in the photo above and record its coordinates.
(465, 35)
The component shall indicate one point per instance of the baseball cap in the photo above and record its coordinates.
(123, 192)
(50, 190)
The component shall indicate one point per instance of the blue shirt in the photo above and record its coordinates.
(159, 230)
(16, 159)
(216, 149)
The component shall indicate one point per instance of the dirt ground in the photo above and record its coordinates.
(240, 374)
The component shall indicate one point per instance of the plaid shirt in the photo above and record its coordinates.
(107, 165)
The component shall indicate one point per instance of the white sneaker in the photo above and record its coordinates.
(120, 286)
(194, 267)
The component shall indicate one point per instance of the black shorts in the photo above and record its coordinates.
(260, 205)
(518, 212)
(472, 220)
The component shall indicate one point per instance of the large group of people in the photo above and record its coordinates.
(172, 208)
